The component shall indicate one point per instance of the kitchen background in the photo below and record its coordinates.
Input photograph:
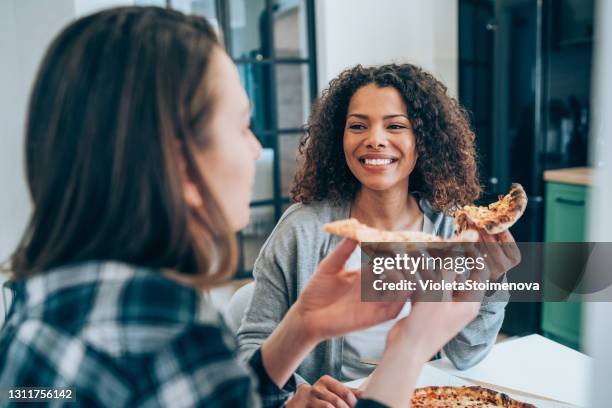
(523, 68)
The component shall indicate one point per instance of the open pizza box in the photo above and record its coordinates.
(531, 369)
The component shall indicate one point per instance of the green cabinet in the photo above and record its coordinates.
(565, 221)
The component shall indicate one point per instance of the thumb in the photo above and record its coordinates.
(335, 260)
(357, 392)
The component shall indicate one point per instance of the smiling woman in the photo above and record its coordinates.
(387, 146)
(405, 104)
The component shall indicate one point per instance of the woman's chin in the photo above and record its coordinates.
(240, 222)
(381, 185)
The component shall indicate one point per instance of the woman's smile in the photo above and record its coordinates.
(378, 162)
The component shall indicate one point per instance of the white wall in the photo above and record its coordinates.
(598, 320)
(26, 29)
(370, 32)
(84, 7)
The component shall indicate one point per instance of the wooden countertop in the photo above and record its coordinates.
(575, 175)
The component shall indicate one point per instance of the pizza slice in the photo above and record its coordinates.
(465, 397)
(496, 217)
(353, 229)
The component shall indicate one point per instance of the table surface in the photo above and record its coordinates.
(506, 369)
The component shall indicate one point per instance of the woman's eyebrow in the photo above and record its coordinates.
(363, 116)
(395, 116)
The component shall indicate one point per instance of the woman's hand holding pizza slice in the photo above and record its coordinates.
(500, 253)
(492, 223)
(331, 305)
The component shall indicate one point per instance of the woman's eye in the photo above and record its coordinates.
(397, 127)
(357, 126)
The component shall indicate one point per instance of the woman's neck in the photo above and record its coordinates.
(392, 209)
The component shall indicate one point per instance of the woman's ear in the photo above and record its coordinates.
(192, 196)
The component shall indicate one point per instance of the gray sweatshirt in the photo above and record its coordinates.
(290, 256)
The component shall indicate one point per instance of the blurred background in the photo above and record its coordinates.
(530, 72)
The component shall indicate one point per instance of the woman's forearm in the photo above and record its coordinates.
(393, 381)
(286, 348)
(473, 342)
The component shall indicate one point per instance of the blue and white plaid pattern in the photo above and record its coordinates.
(125, 336)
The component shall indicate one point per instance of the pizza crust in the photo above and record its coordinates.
(496, 217)
(464, 397)
(353, 229)
(493, 219)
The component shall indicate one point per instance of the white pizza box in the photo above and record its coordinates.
(532, 365)
(432, 376)
(429, 376)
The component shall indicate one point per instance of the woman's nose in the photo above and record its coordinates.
(376, 138)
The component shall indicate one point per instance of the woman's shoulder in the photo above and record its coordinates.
(317, 211)
(152, 298)
(149, 313)
(309, 218)
(146, 308)
(299, 237)
(114, 307)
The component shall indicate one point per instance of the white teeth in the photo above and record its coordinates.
(377, 162)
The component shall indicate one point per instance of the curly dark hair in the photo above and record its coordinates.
(446, 171)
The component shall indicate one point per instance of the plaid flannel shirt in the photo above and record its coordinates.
(124, 336)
